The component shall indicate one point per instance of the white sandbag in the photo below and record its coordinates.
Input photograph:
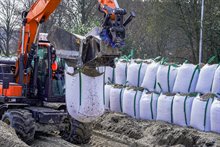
(149, 81)
(136, 72)
(101, 69)
(121, 72)
(148, 106)
(133, 75)
(186, 78)
(107, 96)
(200, 114)
(84, 101)
(131, 102)
(215, 116)
(166, 76)
(206, 76)
(69, 69)
(216, 82)
(109, 73)
(164, 108)
(116, 99)
(182, 106)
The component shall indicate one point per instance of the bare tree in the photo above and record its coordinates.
(161, 27)
(27, 3)
(85, 8)
(8, 24)
(73, 15)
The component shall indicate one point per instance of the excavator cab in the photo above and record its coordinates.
(50, 77)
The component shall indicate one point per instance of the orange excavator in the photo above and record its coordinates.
(28, 101)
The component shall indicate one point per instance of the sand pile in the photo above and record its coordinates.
(8, 137)
(148, 133)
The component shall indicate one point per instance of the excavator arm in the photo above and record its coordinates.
(38, 13)
(112, 33)
(42, 9)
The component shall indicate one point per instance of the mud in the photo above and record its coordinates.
(8, 137)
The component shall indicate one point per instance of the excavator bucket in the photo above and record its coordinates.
(78, 51)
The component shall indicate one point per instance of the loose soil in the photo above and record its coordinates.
(8, 137)
(151, 133)
(114, 129)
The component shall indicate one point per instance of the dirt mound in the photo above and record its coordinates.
(8, 137)
(50, 140)
(151, 133)
(166, 134)
(120, 124)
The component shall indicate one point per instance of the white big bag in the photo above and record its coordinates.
(131, 102)
(182, 106)
(84, 96)
(166, 76)
(200, 115)
(186, 78)
(109, 74)
(164, 108)
(116, 98)
(107, 96)
(206, 77)
(148, 106)
(216, 82)
(121, 72)
(215, 116)
(136, 72)
(149, 81)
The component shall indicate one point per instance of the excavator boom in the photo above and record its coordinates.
(112, 33)
(38, 13)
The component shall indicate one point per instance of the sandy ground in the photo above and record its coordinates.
(151, 133)
(119, 130)
(8, 137)
(51, 141)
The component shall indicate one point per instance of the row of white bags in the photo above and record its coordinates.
(179, 109)
(143, 74)
(121, 99)
(187, 78)
(154, 77)
(196, 112)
